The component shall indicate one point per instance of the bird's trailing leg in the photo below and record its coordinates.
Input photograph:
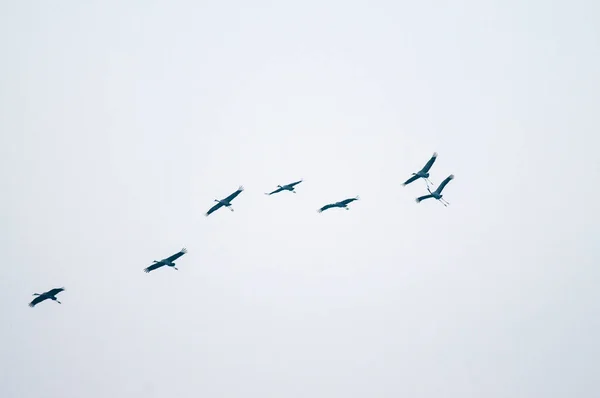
(57, 301)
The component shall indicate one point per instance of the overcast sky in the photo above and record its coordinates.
(121, 122)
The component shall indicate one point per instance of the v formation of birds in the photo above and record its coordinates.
(226, 202)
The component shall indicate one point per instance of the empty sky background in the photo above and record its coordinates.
(121, 122)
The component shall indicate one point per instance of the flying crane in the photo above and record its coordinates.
(169, 261)
(341, 204)
(288, 187)
(49, 295)
(225, 202)
(437, 194)
(423, 173)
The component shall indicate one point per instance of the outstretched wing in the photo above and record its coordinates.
(423, 198)
(153, 267)
(176, 255)
(329, 206)
(443, 184)
(54, 292)
(233, 195)
(411, 179)
(213, 209)
(346, 201)
(429, 163)
(275, 191)
(295, 183)
(37, 300)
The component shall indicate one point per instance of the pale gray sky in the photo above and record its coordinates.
(120, 122)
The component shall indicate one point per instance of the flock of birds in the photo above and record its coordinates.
(170, 261)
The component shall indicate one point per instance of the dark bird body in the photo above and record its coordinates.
(437, 194)
(423, 173)
(225, 202)
(49, 295)
(288, 187)
(169, 261)
(342, 204)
